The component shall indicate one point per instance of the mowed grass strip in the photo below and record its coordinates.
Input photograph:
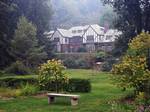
(96, 101)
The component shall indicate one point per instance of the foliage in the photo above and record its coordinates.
(17, 81)
(28, 89)
(133, 18)
(5, 32)
(6, 92)
(25, 44)
(36, 11)
(100, 56)
(53, 70)
(79, 85)
(77, 60)
(76, 64)
(81, 49)
(18, 68)
(132, 70)
(103, 91)
(73, 85)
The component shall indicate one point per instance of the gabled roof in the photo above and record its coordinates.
(64, 33)
(77, 28)
(98, 29)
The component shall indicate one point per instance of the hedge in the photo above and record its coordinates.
(15, 82)
(73, 85)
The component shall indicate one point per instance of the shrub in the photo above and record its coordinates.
(108, 64)
(53, 70)
(18, 68)
(28, 89)
(73, 85)
(132, 70)
(70, 63)
(77, 63)
(79, 85)
(100, 56)
(15, 82)
(81, 49)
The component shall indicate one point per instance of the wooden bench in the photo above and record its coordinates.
(74, 98)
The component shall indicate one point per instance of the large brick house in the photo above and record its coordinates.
(91, 37)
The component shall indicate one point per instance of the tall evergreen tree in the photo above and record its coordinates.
(25, 44)
(36, 11)
(6, 8)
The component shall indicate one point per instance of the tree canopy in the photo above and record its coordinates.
(36, 11)
(133, 18)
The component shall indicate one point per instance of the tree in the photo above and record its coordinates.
(5, 32)
(52, 71)
(133, 18)
(132, 71)
(36, 11)
(25, 44)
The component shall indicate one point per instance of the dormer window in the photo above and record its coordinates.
(74, 31)
(79, 31)
(56, 39)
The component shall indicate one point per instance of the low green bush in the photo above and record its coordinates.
(72, 85)
(15, 82)
(28, 89)
(79, 85)
(18, 68)
(77, 63)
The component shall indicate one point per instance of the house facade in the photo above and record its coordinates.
(90, 37)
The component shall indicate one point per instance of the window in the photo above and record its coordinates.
(108, 37)
(56, 39)
(79, 31)
(66, 40)
(73, 31)
(90, 38)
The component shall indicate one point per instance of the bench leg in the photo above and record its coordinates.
(51, 99)
(74, 101)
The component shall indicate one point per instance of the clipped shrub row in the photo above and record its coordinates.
(15, 82)
(73, 85)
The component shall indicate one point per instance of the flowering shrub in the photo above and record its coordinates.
(132, 70)
(53, 70)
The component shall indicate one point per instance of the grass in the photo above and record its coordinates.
(97, 101)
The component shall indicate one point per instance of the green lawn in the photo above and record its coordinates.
(97, 101)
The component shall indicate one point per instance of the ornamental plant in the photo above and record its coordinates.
(53, 71)
(132, 70)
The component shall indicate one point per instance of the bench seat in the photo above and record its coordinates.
(74, 98)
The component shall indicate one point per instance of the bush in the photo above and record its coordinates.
(73, 85)
(15, 82)
(133, 70)
(76, 63)
(18, 68)
(79, 85)
(108, 64)
(70, 63)
(81, 49)
(28, 89)
(53, 70)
